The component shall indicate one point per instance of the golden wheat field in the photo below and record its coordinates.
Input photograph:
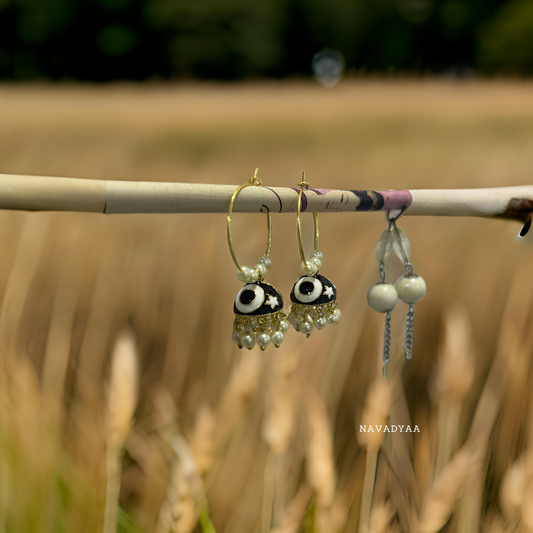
(118, 374)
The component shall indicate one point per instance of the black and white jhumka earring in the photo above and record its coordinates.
(313, 297)
(410, 288)
(258, 306)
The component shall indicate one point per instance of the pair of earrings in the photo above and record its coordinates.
(258, 306)
(409, 288)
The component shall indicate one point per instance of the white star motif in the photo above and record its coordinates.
(328, 291)
(272, 301)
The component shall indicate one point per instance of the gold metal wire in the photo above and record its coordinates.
(304, 185)
(253, 181)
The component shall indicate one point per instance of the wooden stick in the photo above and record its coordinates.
(42, 193)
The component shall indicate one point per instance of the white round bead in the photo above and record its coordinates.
(253, 275)
(266, 261)
(284, 326)
(335, 317)
(320, 323)
(382, 297)
(306, 327)
(263, 339)
(243, 274)
(411, 288)
(247, 341)
(261, 269)
(277, 337)
(308, 268)
(317, 254)
(316, 261)
(236, 337)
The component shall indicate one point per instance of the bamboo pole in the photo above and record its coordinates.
(43, 193)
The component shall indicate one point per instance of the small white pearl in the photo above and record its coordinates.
(277, 337)
(334, 317)
(261, 269)
(284, 326)
(411, 288)
(320, 323)
(308, 268)
(316, 261)
(306, 327)
(243, 274)
(263, 339)
(382, 297)
(247, 341)
(253, 276)
(318, 254)
(266, 261)
(236, 337)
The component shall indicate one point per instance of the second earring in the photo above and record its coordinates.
(313, 297)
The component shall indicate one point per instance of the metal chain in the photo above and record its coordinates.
(386, 344)
(409, 329)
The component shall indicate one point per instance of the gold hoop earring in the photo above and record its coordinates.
(313, 297)
(258, 306)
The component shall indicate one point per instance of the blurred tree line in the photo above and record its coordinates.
(233, 39)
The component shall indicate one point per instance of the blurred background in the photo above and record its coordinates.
(122, 394)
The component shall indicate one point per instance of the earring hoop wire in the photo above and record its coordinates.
(304, 185)
(256, 182)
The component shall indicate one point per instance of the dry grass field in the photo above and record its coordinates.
(116, 329)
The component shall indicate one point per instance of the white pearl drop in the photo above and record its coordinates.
(247, 341)
(263, 339)
(284, 326)
(320, 323)
(318, 254)
(308, 268)
(306, 327)
(236, 337)
(266, 261)
(333, 319)
(277, 337)
(382, 297)
(411, 288)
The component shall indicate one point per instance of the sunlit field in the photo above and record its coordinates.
(270, 440)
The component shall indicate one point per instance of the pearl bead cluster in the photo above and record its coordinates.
(261, 330)
(256, 273)
(311, 267)
(304, 317)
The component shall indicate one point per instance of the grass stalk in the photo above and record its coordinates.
(368, 490)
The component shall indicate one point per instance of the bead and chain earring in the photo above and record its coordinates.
(410, 288)
(313, 297)
(258, 306)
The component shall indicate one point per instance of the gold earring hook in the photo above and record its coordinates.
(256, 182)
(304, 185)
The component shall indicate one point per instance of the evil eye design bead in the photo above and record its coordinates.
(307, 289)
(411, 288)
(258, 299)
(249, 298)
(313, 290)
